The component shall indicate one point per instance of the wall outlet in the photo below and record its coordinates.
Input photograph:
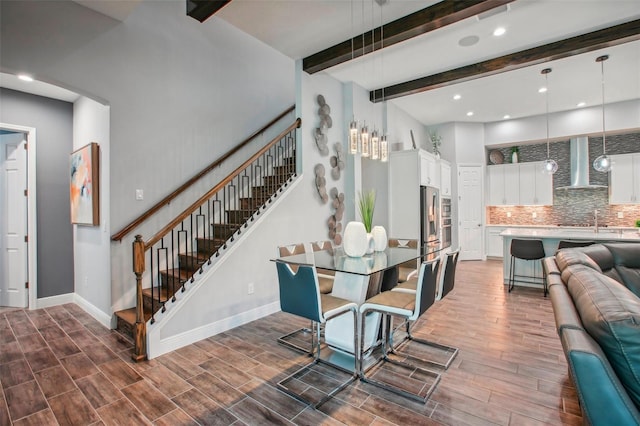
(508, 214)
(534, 215)
(250, 288)
(620, 215)
(139, 194)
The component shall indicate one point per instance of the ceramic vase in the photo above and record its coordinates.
(371, 244)
(379, 238)
(354, 241)
(514, 157)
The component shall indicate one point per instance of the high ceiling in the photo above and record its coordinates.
(299, 28)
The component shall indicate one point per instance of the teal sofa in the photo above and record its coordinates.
(595, 294)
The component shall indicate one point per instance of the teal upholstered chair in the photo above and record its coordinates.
(300, 295)
(408, 306)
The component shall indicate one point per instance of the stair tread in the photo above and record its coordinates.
(129, 315)
(178, 273)
(165, 294)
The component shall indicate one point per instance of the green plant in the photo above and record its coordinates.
(515, 149)
(436, 141)
(637, 223)
(366, 205)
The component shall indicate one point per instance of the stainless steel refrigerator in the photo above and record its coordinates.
(430, 216)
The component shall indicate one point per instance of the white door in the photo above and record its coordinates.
(470, 188)
(13, 220)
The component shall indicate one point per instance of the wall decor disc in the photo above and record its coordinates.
(496, 157)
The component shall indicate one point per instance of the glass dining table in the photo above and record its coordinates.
(357, 279)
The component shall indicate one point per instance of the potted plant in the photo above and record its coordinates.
(366, 206)
(515, 152)
(436, 141)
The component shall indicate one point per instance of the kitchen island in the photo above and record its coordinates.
(530, 273)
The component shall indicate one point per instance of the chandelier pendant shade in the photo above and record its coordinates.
(603, 162)
(549, 166)
(364, 142)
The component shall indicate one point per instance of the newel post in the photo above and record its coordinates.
(140, 327)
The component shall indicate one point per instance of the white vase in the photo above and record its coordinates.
(371, 244)
(379, 238)
(514, 157)
(354, 241)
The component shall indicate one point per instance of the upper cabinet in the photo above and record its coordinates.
(445, 179)
(519, 184)
(429, 173)
(624, 179)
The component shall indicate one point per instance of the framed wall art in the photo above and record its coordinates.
(84, 171)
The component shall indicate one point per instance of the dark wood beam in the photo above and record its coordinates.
(607, 37)
(203, 9)
(423, 21)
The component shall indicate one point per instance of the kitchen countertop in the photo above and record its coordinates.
(573, 233)
(585, 228)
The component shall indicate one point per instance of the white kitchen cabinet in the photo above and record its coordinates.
(624, 179)
(504, 185)
(429, 171)
(408, 170)
(445, 179)
(494, 241)
(535, 187)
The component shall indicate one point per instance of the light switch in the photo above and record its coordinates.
(139, 194)
(620, 215)
(534, 215)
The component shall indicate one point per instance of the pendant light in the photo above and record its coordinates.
(603, 162)
(353, 137)
(375, 145)
(549, 166)
(384, 145)
(364, 142)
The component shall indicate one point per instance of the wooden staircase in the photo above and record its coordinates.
(190, 263)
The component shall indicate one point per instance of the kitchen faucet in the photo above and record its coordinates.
(595, 220)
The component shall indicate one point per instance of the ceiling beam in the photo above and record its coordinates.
(607, 37)
(203, 9)
(423, 21)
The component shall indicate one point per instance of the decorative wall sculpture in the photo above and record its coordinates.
(321, 183)
(337, 161)
(321, 133)
(335, 220)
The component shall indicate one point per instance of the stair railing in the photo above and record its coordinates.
(180, 249)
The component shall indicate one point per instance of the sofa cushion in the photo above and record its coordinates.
(610, 313)
(575, 256)
(626, 257)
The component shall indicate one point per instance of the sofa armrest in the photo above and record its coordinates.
(564, 311)
(603, 399)
(550, 266)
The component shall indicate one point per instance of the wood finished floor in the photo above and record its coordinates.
(59, 366)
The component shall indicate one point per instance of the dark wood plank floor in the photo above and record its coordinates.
(59, 366)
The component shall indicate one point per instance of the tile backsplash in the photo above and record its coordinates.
(576, 206)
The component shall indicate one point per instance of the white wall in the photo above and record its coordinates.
(218, 300)
(91, 244)
(400, 126)
(584, 121)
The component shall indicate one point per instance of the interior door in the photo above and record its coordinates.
(470, 205)
(13, 220)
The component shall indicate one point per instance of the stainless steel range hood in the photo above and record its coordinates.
(579, 149)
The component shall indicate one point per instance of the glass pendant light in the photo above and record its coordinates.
(353, 137)
(384, 149)
(364, 142)
(603, 162)
(375, 145)
(549, 166)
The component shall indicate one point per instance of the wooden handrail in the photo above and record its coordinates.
(118, 236)
(193, 207)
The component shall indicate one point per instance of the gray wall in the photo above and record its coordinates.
(53, 120)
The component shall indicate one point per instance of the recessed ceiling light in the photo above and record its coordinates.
(542, 90)
(499, 31)
(581, 104)
(457, 97)
(506, 116)
(470, 113)
(25, 77)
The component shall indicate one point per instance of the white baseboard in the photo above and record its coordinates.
(61, 299)
(96, 313)
(157, 346)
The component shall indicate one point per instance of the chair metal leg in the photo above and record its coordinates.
(385, 358)
(316, 360)
(412, 338)
(308, 350)
(511, 274)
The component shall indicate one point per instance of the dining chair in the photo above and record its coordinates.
(408, 306)
(409, 269)
(300, 295)
(325, 276)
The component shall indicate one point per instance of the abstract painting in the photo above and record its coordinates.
(85, 185)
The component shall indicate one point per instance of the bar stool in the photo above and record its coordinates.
(570, 244)
(525, 250)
